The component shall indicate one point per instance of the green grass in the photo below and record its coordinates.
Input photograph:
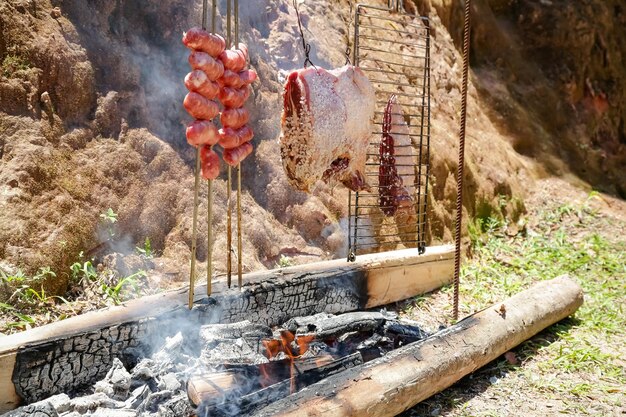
(579, 360)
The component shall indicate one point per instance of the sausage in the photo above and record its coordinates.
(200, 107)
(237, 79)
(204, 41)
(234, 97)
(202, 132)
(235, 59)
(209, 162)
(198, 82)
(234, 156)
(234, 118)
(231, 138)
(212, 67)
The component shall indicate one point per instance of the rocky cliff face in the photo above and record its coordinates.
(91, 119)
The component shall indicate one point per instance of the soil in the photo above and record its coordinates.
(91, 119)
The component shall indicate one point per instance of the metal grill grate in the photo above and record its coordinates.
(392, 48)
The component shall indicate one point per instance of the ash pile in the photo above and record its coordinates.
(233, 369)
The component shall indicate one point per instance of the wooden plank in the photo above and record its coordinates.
(396, 382)
(410, 275)
(268, 297)
(8, 397)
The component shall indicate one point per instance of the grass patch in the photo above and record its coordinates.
(577, 360)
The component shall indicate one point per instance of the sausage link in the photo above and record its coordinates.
(198, 82)
(231, 138)
(235, 59)
(202, 132)
(234, 97)
(209, 162)
(204, 41)
(200, 107)
(237, 79)
(234, 156)
(234, 118)
(213, 68)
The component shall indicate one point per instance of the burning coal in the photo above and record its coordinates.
(236, 369)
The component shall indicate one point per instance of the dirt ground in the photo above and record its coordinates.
(575, 367)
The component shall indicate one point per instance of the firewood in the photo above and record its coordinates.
(396, 382)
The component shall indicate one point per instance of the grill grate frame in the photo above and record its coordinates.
(392, 47)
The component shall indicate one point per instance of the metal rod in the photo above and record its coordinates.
(229, 229)
(209, 256)
(239, 237)
(194, 231)
(196, 187)
(460, 167)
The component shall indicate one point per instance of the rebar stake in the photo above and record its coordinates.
(459, 173)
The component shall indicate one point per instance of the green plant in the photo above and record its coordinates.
(116, 292)
(109, 218)
(83, 272)
(284, 262)
(146, 250)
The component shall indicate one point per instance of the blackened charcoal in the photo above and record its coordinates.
(242, 329)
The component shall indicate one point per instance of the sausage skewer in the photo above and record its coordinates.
(192, 272)
(202, 133)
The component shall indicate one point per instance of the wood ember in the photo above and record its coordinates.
(237, 368)
(331, 328)
(306, 373)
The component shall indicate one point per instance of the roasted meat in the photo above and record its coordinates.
(396, 171)
(217, 74)
(326, 126)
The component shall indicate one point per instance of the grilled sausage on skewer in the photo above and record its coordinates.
(210, 163)
(235, 59)
(198, 81)
(234, 156)
(212, 67)
(204, 41)
(200, 107)
(231, 138)
(202, 132)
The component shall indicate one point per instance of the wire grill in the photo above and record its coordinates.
(392, 47)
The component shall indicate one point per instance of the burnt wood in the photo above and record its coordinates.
(73, 353)
(389, 385)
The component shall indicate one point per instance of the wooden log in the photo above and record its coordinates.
(396, 382)
(217, 394)
(67, 355)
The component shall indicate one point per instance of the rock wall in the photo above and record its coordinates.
(91, 119)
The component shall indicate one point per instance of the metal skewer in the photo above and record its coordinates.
(239, 257)
(209, 256)
(229, 231)
(196, 186)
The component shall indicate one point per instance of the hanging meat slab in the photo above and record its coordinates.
(326, 126)
(396, 171)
